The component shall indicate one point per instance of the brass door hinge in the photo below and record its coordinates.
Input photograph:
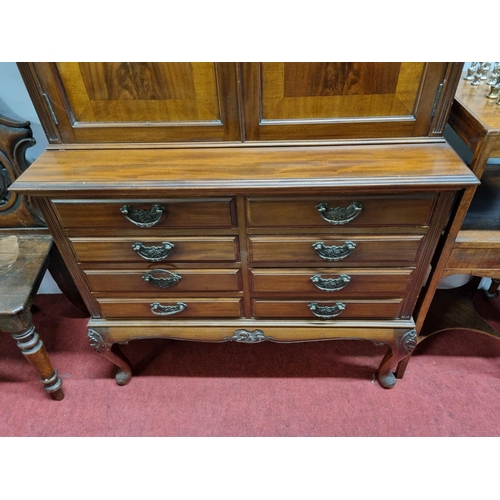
(436, 100)
(51, 109)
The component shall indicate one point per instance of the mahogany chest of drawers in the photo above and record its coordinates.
(249, 244)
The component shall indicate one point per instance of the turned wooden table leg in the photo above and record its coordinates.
(404, 343)
(113, 353)
(34, 351)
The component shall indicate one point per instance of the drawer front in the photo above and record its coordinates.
(356, 211)
(163, 282)
(339, 252)
(176, 249)
(324, 310)
(325, 284)
(215, 213)
(158, 307)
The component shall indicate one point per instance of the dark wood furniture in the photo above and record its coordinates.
(308, 207)
(471, 244)
(24, 255)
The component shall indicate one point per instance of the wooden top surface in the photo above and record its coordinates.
(231, 170)
(22, 263)
(485, 111)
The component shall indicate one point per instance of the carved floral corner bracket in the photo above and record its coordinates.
(96, 340)
(408, 341)
(247, 337)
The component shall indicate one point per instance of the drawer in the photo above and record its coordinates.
(176, 249)
(170, 213)
(356, 211)
(363, 250)
(325, 283)
(158, 307)
(331, 309)
(165, 282)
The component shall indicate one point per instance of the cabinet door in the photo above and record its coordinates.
(95, 102)
(340, 100)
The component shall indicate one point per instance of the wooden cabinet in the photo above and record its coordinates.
(240, 102)
(136, 102)
(315, 215)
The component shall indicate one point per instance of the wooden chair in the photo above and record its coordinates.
(26, 251)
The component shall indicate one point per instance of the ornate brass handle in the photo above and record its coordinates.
(326, 312)
(330, 284)
(339, 215)
(152, 253)
(172, 279)
(160, 310)
(143, 218)
(334, 252)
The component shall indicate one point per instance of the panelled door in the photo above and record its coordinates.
(97, 102)
(339, 100)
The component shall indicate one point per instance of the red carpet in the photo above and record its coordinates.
(451, 387)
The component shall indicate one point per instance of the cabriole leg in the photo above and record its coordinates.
(113, 353)
(403, 345)
(34, 351)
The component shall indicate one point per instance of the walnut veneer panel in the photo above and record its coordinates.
(104, 102)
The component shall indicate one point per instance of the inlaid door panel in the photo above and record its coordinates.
(141, 101)
(339, 100)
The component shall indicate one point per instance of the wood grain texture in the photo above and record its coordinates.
(185, 249)
(369, 251)
(219, 307)
(408, 210)
(220, 171)
(341, 105)
(138, 102)
(362, 282)
(357, 309)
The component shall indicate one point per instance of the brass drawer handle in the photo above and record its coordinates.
(326, 312)
(153, 253)
(143, 218)
(339, 215)
(334, 252)
(330, 284)
(160, 310)
(172, 279)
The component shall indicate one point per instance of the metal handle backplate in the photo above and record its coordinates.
(327, 311)
(143, 218)
(153, 253)
(168, 310)
(334, 252)
(330, 284)
(160, 282)
(339, 215)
